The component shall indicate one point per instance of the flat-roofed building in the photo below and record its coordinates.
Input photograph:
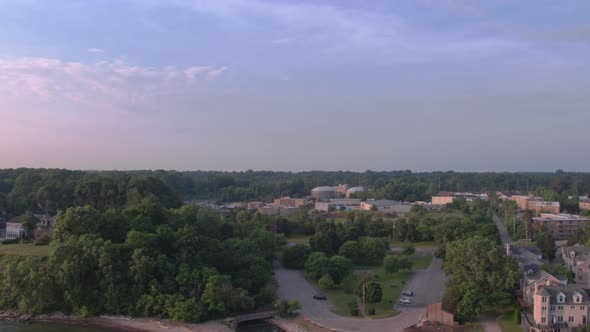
(289, 202)
(561, 226)
(536, 204)
(545, 207)
(322, 206)
(447, 197)
(255, 205)
(386, 206)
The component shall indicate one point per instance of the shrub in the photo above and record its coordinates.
(326, 282)
(517, 315)
(42, 241)
(10, 241)
(353, 308)
(371, 311)
(409, 250)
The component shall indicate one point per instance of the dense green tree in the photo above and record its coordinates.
(294, 257)
(350, 250)
(546, 244)
(372, 250)
(315, 265)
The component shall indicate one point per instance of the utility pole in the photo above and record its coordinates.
(364, 301)
(514, 224)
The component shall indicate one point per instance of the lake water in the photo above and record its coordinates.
(42, 327)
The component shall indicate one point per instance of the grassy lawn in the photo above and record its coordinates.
(23, 250)
(507, 324)
(421, 261)
(423, 244)
(391, 284)
(299, 239)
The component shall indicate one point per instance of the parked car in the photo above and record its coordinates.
(405, 300)
(408, 293)
(319, 296)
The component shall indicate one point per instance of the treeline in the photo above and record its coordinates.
(184, 263)
(52, 190)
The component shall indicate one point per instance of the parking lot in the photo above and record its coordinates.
(428, 286)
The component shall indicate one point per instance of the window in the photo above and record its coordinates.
(544, 299)
(544, 309)
(560, 318)
(543, 320)
(560, 307)
(570, 319)
(552, 308)
(573, 307)
(582, 307)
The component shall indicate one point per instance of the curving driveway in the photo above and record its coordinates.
(293, 286)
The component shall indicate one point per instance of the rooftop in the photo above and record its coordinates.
(560, 217)
(324, 188)
(570, 291)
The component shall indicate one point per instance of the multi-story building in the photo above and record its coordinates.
(558, 308)
(577, 260)
(561, 226)
(287, 201)
(585, 203)
(536, 204)
(446, 197)
(534, 278)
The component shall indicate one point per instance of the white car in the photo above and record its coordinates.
(405, 300)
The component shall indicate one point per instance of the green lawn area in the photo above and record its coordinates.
(23, 250)
(422, 244)
(10, 250)
(421, 261)
(299, 239)
(507, 324)
(391, 284)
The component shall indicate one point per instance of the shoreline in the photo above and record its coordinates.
(116, 323)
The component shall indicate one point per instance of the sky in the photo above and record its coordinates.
(290, 85)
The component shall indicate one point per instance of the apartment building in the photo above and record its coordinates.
(558, 308)
(536, 204)
(561, 226)
(577, 260)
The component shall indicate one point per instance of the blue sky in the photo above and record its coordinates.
(295, 85)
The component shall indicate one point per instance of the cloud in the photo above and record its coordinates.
(95, 50)
(333, 29)
(114, 83)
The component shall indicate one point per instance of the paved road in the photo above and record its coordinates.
(503, 232)
(293, 286)
(489, 324)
